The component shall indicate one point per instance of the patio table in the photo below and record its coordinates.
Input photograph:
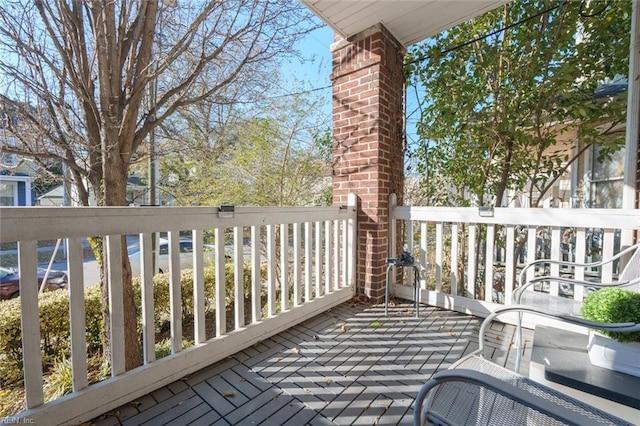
(559, 359)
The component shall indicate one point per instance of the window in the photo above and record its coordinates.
(164, 248)
(8, 194)
(8, 160)
(607, 179)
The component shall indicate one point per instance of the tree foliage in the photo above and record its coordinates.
(497, 102)
(79, 74)
(273, 155)
(88, 81)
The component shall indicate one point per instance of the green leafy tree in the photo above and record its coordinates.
(497, 102)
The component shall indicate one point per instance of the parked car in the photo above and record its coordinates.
(10, 281)
(186, 255)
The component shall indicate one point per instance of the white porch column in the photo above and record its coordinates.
(28, 201)
(630, 189)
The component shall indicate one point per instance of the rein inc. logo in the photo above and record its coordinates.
(13, 420)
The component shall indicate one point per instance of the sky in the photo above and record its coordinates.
(315, 49)
(313, 72)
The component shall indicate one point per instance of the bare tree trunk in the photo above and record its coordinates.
(133, 352)
(115, 191)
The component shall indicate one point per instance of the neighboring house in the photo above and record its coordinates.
(15, 190)
(588, 182)
(54, 197)
(15, 175)
(136, 195)
(600, 184)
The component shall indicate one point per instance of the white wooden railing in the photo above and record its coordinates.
(316, 272)
(440, 237)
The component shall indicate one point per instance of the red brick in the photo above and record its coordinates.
(368, 156)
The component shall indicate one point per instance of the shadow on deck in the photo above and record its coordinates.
(349, 365)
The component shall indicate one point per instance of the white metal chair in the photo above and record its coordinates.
(628, 278)
(475, 391)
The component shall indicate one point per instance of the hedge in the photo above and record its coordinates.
(54, 318)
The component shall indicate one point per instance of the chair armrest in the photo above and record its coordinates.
(517, 293)
(618, 327)
(514, 393)
(618, 255)
(626, 327)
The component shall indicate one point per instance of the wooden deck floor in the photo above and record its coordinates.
(348, 366)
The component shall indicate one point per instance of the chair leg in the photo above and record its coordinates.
(518, 342)
(386, 291)
(416, 289)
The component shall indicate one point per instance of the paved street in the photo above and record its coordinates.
(8, 258)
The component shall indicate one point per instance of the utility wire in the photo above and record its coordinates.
(492, 33)
(304, 92)
(451, 49)
(267, 98)
(467, 43)
(582, 12)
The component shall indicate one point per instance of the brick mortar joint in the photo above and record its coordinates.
(351, 69)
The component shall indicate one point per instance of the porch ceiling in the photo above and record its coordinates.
(410, 21)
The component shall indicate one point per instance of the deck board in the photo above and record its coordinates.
(348, 366)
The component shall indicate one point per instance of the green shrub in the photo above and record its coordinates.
(54, 318)
(53, 310)
(54, 321)
(12, 401)
(161, 284)
(614, 305)
(163, 347)
(59, 381)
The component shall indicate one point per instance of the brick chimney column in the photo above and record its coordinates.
(368, 142)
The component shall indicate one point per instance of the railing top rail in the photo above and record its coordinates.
(36, 223)
(587, 218)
